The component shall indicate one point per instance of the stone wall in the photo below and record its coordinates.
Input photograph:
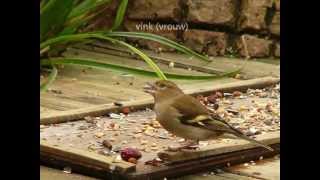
(213, 27)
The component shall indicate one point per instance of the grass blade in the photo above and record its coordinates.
(120, 14)
(158, 39)
(54, 72)
(115, 67)
(143, 56)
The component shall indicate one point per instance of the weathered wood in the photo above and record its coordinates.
(235, 86)
(201, 164)
(47, 173)
(84, 158)
(97, 110)
(266, 169)
(216, 149)
(252, 69)
(222, 176)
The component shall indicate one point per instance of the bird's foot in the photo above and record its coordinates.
(189, 146)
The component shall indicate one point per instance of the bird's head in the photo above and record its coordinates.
(162, 88)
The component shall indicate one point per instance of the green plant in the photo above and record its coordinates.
(61, 22)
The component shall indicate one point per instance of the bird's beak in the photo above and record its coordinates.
(149, 88)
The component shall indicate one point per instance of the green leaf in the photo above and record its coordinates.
(159, 39)
(144, 57)
(81, 37)
(85, 7)
(53, 16)
(115, 67)
(121, 11)
(54, 72)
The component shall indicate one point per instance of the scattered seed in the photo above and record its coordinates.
(67, 170)
(99, 134)
(82, 127)
(117, 103)
(212, 99)
(171, 65)
(43, 126)
(236, 93)
(143, 142)
(219, 94)
(125, 110)
(107, 144)
(133, 160)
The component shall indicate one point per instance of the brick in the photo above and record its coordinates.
(274, 27)
(257, 47)
(150, 28)
(212, 43)
(276, 52)
(217, 12)
(154, 10)
(253, 14)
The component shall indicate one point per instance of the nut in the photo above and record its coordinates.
(128, 153)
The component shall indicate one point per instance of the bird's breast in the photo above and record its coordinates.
(168, 118)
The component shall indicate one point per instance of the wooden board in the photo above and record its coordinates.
(252, 69)
(79, 92)
(147, 101)
(80, 87)
(47, 173)
(215, 149)
(266, 169)
(84, 158)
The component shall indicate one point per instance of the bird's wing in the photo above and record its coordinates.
(189, 107)
(199, 116)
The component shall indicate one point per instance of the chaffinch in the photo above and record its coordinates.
(184, 116)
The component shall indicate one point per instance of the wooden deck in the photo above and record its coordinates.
(79, 92)
(268, 169)
(81, 87)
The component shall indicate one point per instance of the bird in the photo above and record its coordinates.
(185, 117)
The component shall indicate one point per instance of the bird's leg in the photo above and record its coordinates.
(188, 145)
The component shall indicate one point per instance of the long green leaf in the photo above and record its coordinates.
(115, 67)
(120, 14)
(162, 40)
(158, 39)
(143, 56)
(53, 16)
(54, 72)
(85, 7)
(100, 36)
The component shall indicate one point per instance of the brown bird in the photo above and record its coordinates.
(184, 116)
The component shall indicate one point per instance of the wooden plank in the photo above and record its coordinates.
(60, 103)
(47, 173)
(126, 61)
(84, 158)
(216, 149)
(98, 110)
(201, 164)
(252, 69)
(222, 176)
(266, 169)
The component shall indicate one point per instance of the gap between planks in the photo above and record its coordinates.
(98, 110)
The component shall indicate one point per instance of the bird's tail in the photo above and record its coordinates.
(253, 141)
